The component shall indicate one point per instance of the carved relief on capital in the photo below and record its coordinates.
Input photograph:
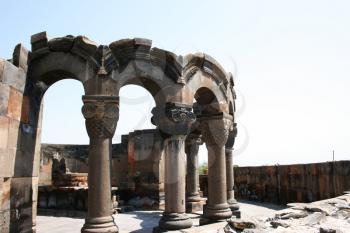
(215, 129)
(173, 119)
(101, 115)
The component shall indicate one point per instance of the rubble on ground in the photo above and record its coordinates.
(326, 216)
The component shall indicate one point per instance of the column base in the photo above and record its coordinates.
(194, 203)
(236, 213)
(193, 207)
(206, 221)
(217, 212)
(100, 225)
(174, 221)
(233, 204)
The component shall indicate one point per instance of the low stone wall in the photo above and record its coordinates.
(290, 183)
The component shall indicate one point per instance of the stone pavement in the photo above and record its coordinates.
(141, 221)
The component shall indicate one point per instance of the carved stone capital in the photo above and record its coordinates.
(216, 128)
(194, 139)
(101, 115)
(173, 118)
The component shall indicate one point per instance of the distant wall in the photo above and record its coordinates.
(290, 183)
(55, 158)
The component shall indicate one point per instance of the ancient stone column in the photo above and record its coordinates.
(193, 199)
(174, 123)
(229, 172)
(101, 116)
(215, 130)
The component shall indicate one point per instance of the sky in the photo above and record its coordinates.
(291, 61)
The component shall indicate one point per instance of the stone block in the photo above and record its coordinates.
(23, 219)
(24, 191)
(4, 98)
(25, 110)
(39, 41)
(25, 151)
(15, 104)
(62, 44)
(4, 221)
(23, 163)
(13, 134)
(4, 130)
(193, 207)
(7, 162)
(20, 57)
(84, 46)
(5, 193)
(13, 76)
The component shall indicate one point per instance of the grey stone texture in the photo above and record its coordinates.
(177, 83)
(330, 215)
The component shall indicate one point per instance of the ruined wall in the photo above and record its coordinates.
(137, 168)
(146, 165)
(57, 158)
(290, 183)
(18, 168)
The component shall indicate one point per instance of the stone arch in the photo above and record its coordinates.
(49, 62)
(204, 76)
(64, 57)
(159, 71)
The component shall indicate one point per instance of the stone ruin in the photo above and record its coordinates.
(194, 99)
(137, 175)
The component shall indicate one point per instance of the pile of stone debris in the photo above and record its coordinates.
(326, 216)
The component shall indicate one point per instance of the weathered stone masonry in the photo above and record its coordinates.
(179, 85)
(290, 183)
(293, 183)
(136, 171)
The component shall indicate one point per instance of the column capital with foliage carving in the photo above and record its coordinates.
(101, 115)
(215, 128)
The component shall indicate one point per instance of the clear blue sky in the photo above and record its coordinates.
(291, 60)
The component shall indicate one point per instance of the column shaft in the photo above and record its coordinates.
(99, 178)
(192, 178)
(101, 114)
(215, 129)
(230, 181)
(217, 207)
(174, 217)
(175, 176)
(193, 199)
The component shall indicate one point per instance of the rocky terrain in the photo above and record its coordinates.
(326, 216)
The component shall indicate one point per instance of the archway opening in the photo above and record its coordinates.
(137, 164)
(63, 151)
(204, 102)
(62, 120)
(136, 104)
